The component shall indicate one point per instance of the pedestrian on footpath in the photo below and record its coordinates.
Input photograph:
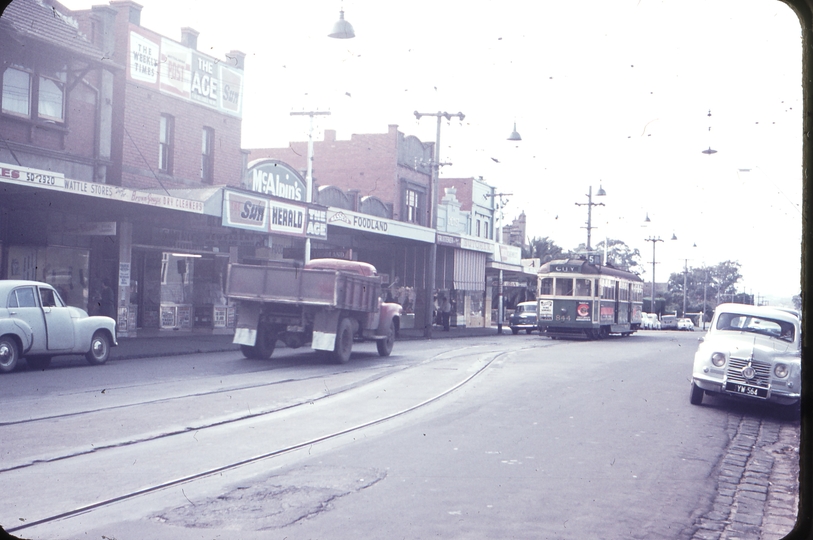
(446, 312)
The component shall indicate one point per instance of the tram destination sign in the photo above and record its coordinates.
(566, 268)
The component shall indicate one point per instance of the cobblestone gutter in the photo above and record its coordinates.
(757, 484)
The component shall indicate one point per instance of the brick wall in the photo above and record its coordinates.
(367, 162)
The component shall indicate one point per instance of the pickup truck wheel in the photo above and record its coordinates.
(344, 342)
(266, 342)
(9, 354)
(384, 346)
(99, 349)
(696, 397)
(38, 362)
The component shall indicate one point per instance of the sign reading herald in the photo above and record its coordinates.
(173, 69)
(246, 211)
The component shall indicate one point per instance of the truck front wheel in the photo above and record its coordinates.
(384, 346)
(344, 342)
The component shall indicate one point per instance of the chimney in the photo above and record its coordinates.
(237, 59)
(189, 37)
(330, 135)
(132, 9)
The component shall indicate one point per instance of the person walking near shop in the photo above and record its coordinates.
(446, 312)
(107, 303)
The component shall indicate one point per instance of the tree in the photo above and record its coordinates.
(545, 249)
(717, 283)
(620, 255)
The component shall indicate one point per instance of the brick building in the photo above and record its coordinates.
(121, 161)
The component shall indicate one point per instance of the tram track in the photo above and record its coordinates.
(461, 357)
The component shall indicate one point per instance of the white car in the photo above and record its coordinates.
(685, 324)
(749, 352)
(36, 324)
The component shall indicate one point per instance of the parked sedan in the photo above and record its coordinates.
(749, 352)
(36, 324)
(523, 318)
(685, 324)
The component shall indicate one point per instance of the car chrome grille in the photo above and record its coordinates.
(762, 369)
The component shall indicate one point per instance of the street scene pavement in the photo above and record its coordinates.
(756, 476)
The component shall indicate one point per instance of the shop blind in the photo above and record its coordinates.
(469, 270)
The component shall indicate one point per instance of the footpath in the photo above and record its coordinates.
(149, 344)
(757, 477)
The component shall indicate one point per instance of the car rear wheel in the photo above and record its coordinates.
(514, 331)
(529, 330)
(696, 397)
(99, 349)
(9, 354)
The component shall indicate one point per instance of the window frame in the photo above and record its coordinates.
(207, 157)
(30, 97)
(35, 104)
(166, 140)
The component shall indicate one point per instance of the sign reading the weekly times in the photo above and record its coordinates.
(173, 69)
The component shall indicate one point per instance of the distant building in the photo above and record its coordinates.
(514, 234)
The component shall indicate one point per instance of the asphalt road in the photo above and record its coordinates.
(495, 437)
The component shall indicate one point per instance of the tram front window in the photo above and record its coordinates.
(546, 286)
(583, 287)
(564, 286)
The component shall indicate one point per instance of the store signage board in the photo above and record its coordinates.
(362, 222)
(246, 211)
(173, 69)
(24, 176)
(274, 178)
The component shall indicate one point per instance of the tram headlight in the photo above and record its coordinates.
(718, 359)
(781, 371)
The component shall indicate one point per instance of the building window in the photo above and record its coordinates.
(166, 133)
(412, 214)
(51, 103)
(34, 96)
(478, 228)
(17, 92)
(207, 157)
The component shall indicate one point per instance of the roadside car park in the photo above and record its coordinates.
(749, 352)
(36, 324)
(524, 318)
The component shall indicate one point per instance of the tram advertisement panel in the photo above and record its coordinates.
(583, 312)
(546, 310)
(607, 314)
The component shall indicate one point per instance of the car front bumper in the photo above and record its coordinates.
(778, 396)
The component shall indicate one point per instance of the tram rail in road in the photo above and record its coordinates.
(85, 482)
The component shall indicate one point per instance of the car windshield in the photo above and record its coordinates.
(759, 325)
(526, 309)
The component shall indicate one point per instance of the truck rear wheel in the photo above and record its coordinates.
(264, 346)
(344, 342)
(384, 346)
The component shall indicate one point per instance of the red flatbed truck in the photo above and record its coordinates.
(328, 303)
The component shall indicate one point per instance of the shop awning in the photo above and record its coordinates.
(469, 270)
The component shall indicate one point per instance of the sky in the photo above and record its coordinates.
(619, 94)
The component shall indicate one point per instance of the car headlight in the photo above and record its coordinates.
(718, 359)
(781, 371)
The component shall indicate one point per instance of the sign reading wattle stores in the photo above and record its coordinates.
(277, 179)
(57, 182)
